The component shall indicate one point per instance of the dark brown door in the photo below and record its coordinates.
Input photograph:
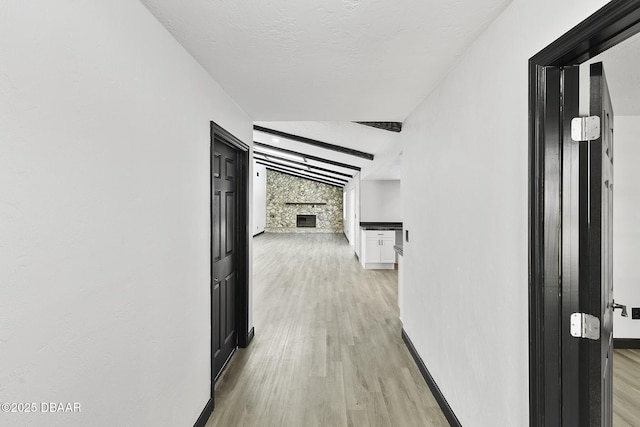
(224, 241)
(596, 272)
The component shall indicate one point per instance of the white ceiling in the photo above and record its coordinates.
(622, 69)
(372, 60)
(384, 145)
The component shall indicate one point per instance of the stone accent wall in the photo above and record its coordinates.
(281, 218)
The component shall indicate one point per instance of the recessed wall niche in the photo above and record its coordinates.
(290, 196)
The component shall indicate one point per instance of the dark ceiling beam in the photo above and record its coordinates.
(307, 156)
(390, 126)
(315, 142)
(271, 156)
(318, 174)
(286, 172)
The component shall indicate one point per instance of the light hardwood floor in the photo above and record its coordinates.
(626, 388)
(327, 349)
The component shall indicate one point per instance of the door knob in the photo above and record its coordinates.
(622, 307)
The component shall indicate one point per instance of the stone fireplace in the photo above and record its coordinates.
(297, 205)
(306, 221)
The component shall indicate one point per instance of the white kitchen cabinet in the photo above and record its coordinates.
(378, 249)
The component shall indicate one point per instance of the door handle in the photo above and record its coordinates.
(622, 307)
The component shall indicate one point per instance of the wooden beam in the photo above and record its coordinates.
(310, 178)
(281, 165)
(271, 156)
(390, 126)
(307, 156)
(315, 143)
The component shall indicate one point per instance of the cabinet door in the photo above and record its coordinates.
(372, 251)
(387, 254)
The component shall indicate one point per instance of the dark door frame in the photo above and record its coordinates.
(220, 135)
(614, 23)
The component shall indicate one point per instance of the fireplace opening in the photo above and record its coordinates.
(305, 221)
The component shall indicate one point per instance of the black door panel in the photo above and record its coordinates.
(224, 208)
(596, 261)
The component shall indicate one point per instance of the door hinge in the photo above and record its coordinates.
(585, 326)
(585, 128)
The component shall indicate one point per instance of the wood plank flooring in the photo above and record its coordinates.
(626, 388)
(327, 350)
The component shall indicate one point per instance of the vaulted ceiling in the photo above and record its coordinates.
(337, 150)
(310, 68)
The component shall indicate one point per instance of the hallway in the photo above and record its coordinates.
(328, 349)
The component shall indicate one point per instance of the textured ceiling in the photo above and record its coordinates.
(326, 59)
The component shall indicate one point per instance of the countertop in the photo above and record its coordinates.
(381, 225)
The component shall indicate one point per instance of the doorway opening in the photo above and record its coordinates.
(559, 391)
(229, 252)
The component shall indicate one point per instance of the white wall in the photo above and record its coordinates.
(352, 222)
(465, 174)
(104, 214)
(380, 201)
(259, 198)
(626, 223)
